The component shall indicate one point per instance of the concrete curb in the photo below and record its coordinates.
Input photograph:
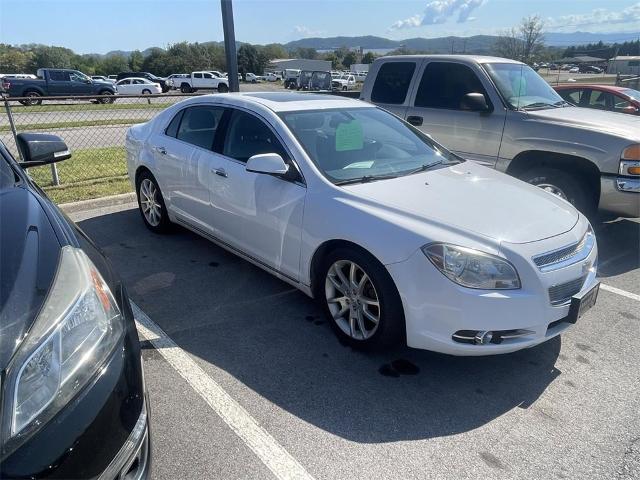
(96, 203)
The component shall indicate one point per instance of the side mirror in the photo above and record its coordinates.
(476, 102)
(267, 163)
(41, 149)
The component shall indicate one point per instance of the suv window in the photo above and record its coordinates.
(444, 85)
(198, 126)
(59, 76)
(247, 136)
(392, 82)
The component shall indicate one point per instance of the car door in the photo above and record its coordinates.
(260, 215)
(197, 80)
(138, 85)
(437, 108)
(183, 157)
(82, 85)
(392, 85)
(124, 87)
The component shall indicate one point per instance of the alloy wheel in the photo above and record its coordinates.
(352, 300)
(149, 203)
(548, 187)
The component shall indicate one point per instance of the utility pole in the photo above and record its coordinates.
(230, 45)
(452, 40)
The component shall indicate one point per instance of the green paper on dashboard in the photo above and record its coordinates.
(349, 136)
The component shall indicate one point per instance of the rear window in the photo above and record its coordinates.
(392, 82)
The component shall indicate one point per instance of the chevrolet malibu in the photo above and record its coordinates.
(396, 237)
(72, 398)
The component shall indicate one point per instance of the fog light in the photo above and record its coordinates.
(483, 337)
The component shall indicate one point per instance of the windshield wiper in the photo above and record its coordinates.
(540, 105)
(365, 179)
(422, 168)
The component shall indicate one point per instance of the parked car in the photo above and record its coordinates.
(72, 393)
(113, 78)
(138, 86)
(251, 78)
(601, 97)
(101, 78)
(17, 75)
(52, 82)
(291, 78)
(422, 246)
(218, 74)
(346, 82)
(501, 113)
(589, 69)
(360, 76)
(203, 81)
(574, 70)
(272, 77)
(149, 76)
(173, 80)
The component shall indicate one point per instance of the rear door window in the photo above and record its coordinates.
(392, 82)
(59, 76)
(199, 125)
(444, 85)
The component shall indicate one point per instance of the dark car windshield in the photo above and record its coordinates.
(522, 87)
(363, 144)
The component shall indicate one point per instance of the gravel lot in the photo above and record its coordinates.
(246, 379)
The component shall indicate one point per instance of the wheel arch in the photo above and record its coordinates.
(32, 88)
(571, 164)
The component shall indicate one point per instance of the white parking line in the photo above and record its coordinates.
(624, 293)
(270, 452)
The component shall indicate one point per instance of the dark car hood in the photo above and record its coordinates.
(29, 251)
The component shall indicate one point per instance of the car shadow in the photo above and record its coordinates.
(618, 247)
(233, 316)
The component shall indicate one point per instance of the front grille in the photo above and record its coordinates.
(562, 293)
(560, 255)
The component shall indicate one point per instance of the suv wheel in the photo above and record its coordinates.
(108, 99)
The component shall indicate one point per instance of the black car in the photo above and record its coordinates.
(148, 76)
(72, 396)
(589, 69)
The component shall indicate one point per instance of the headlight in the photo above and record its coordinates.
(75, 332)
(472, 268)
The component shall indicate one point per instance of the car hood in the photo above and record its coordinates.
(621, 125)
(28, 262)
(475, 199)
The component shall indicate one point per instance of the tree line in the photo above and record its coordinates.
(183, 57)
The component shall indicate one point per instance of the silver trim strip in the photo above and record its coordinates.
(582, 251)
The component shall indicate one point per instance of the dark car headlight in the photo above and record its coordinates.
(77, 329)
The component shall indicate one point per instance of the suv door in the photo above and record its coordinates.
(260, 215)
(438, 109)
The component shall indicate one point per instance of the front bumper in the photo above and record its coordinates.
(436, 308)
(620, 195)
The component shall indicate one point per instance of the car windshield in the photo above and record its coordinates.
(630, 92)
(522, 87)
(364, 144)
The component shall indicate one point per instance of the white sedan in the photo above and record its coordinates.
(397, 238)
(137, 86)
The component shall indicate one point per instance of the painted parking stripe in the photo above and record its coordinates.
(268, 450)
(618, 291)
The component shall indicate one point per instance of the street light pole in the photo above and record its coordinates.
(230, 45)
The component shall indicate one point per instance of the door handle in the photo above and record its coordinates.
(220, 172)
(161, 150)
(414, 120)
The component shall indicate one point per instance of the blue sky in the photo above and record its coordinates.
(102, 25)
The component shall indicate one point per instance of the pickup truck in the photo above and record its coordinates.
(343, 83)
(53, 82)
(203, 81)
(502, 114)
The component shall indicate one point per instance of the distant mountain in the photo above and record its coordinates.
(581, 38)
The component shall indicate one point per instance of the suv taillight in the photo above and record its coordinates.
(6, 84)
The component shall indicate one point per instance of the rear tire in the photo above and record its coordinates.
(223, 88)
(369, 294)
(151, 204)
(146, 91)
(185, 88)
(560, 183)
(34, 98)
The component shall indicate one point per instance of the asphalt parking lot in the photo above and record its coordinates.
(246, 380)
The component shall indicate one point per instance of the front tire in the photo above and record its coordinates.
(360, 300)
(560, 183)
(151, 204)
(223, 88)
(106, 100)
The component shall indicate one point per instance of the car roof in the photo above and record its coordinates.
(463, 58)
(136, 78)
(288, 101)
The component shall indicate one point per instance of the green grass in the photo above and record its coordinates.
(89, 173)
(78, 123)
(79, 107)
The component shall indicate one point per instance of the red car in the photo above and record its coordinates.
(601, 97)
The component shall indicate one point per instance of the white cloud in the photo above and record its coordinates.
(439, 11)
(598, 16)
(306, 31)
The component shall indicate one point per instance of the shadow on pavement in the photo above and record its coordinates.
(233, 316)
(618, 247)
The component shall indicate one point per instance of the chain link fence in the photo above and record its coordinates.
(93, 131)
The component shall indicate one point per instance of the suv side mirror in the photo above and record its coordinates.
(476, 102)
(267, 163)
(41, 149)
